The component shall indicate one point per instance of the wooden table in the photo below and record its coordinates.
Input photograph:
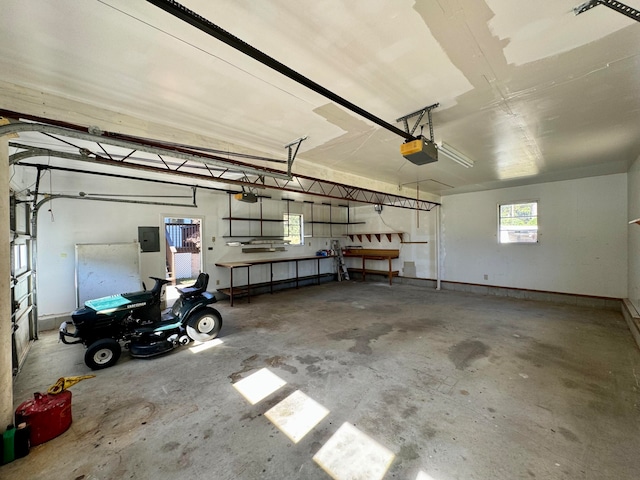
(374, 254)
(264, 261)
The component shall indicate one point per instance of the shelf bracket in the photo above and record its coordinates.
(292, 153)
(420, 114)
(612, 4)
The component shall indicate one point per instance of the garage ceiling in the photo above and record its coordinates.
(528, 90)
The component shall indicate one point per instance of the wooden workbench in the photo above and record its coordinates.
(374, 254)
(234, 291)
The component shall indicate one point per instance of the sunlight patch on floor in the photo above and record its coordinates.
(259, 385)
(350, 454)
(424, 476)
(296, 415)
(200, 346)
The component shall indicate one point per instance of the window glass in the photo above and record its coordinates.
(293, 228)
(518, 223)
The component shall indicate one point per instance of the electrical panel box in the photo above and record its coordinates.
(149, 238)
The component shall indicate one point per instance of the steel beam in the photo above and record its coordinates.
(297, 184)
(192, 163)
(149, 147)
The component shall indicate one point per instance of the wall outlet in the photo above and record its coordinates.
(217, 282)
(486, 277)
(213, 239)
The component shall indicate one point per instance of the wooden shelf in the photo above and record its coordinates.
(243, 291)
(324, 236)
(378, 236)
(256, 249)
(260, 220)
(374, 254)
(386, 273)
(247, 219)
(263, 243)
(257, 237)
(318, 222)
(246, 289)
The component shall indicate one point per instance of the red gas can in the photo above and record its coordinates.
(47, 415)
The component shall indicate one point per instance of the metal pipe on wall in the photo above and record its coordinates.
(438, 246)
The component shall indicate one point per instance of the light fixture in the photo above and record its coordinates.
(454, 155)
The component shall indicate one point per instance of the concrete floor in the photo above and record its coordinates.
(432, 385)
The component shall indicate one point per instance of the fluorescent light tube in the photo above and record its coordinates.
(454, 155)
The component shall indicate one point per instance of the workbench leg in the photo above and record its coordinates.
(248, 284)
(364, 275)
(318, 270)
(390, 272)
(296, 273)
(271, 278)
(231, 287)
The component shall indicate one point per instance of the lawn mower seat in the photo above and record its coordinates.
(197, 288)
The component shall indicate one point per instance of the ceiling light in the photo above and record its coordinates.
(454, 155)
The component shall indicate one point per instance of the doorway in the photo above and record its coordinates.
(183, 237)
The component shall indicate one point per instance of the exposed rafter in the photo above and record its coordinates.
(612, 4)
(203, 173)
(92, 134)
(183, 161)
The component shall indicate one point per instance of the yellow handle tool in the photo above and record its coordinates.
(65, 382)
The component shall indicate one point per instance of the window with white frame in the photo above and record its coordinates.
(518, 222)
(293, 228)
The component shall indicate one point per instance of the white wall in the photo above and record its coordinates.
(77, 221)
(416, 227)
(582, 249)
(583, 238)
(633, 179)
